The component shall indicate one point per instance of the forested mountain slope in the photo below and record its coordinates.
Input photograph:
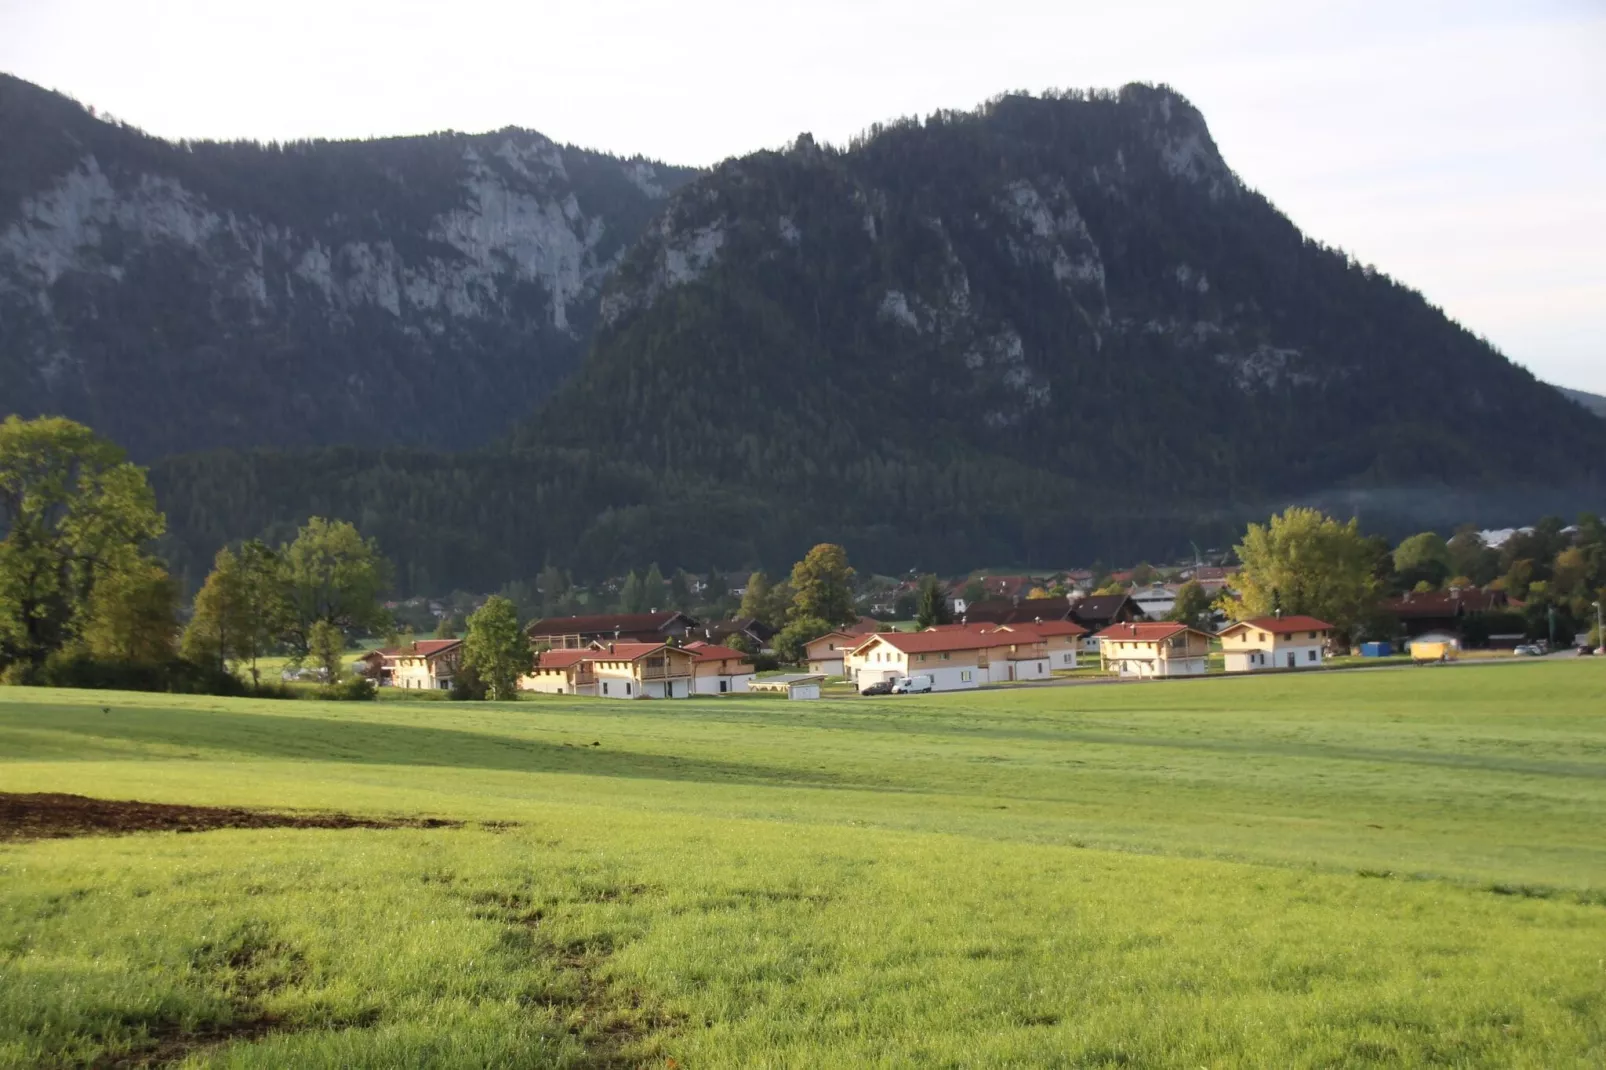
(426, 290)
(1077, 288)
(1595, 403)
(1048, 330)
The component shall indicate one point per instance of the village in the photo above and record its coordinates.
(979, 631)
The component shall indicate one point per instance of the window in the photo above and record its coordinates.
(922, 657)
(724, 685)
(964, 676)
(1310, 655)
(1313, 635)
(1262, 637)
(604, 687)
(627, 691)
(945, 657)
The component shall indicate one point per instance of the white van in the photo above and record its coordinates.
(911, 685)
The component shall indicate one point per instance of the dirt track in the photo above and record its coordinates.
(55, 816)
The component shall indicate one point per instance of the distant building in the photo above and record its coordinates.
(1293, 642)
(429, 664)
(1442, 611)
(572, 633)
(796, 686)
(826, 654)
(1155, 600)
(753, 631)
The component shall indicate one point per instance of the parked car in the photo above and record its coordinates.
(912, 685)
(880, 687)
(1529, 650)
(1586, 651)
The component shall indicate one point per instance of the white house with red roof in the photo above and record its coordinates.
(719, 670)
(615, 670)
(1149, 649)
(963, 656)
(1276, 642)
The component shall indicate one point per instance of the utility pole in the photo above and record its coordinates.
(1600, 632)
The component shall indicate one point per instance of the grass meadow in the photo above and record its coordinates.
(1399, 868)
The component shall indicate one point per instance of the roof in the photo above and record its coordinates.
(711, 652)
(1281, 625)
(1003, 611)
(604, 651)
(562, 659)
(863, 626)
(937, 642)
(601, 624)
(1099, 607)
(1444, 603)
(1046, 628)
(752, 626)
(852, 637)
(1146, 631)
(427, 647)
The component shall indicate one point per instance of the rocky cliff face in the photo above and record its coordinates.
(418, 290)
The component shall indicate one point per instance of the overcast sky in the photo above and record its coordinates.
(1461, 147)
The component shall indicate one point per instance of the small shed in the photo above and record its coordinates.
(796, 686)
(1376, 649)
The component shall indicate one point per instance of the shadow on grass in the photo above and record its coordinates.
(317, 739)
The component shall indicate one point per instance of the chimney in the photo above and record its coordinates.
(610, 648)
(1279, 612)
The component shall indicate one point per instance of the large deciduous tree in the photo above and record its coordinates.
(240, 610)
(1193, 606)
(133, 616)
(798, 633)
(73, 512)
(932, 608)
(1423, 558)
(334, 576)
(822, 586)
(496, 649)
(1305, 562)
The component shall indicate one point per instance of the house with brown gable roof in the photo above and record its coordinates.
(573, 633)
(720, 670)
(1276, 642)
(1150, 649)
(615, 670)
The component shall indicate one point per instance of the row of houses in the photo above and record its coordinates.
(971, 654)
(635, 657)
(602, 669)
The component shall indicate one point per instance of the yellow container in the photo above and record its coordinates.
(1426, 653)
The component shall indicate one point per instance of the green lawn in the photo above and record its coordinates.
(1340, 869)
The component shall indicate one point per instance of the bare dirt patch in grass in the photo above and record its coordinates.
(56, 816)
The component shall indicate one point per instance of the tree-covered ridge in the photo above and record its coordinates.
(1048, 281)
(1051, 329)
(404, 290)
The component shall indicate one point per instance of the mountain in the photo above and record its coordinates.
(421, 290)
(1049, 330)
(998, 330)
(1595, 403)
